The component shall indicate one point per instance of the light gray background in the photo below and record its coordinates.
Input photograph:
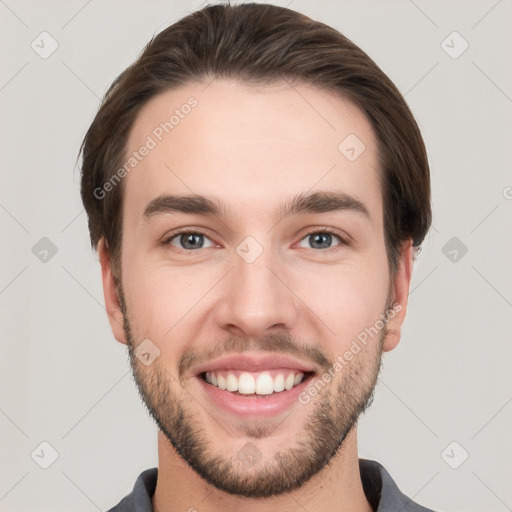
(66, 381)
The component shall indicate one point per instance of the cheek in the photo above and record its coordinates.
(158, 304)
(162, 301)
(347, 298)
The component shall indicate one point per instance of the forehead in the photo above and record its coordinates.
(251, 147)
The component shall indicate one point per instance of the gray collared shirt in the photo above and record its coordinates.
(380, 489)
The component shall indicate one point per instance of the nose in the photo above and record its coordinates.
(256, 298)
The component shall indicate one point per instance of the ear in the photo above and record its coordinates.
(400, 294)
(112, 305)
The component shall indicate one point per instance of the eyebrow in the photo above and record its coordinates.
(315, 202)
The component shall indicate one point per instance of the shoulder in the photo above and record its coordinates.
(139, 500)
(382, 492)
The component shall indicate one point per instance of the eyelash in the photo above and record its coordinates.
(331, 231)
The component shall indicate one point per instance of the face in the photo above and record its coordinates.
(253, 265)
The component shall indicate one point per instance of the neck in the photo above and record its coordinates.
(337, 487)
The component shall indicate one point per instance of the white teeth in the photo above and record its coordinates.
(221, 381)
(247, 384)
(231, 382)
(279, 383)
(288, 382)
(264, 384)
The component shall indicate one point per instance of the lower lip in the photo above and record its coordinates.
(254, 405)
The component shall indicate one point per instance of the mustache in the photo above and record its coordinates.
(278, 343)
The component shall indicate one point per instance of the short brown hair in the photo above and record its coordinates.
(259, 43)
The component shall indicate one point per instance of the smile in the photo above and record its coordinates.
(260, 383)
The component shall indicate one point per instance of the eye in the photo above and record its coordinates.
(188, 240)
(323, 238)
(191, 241)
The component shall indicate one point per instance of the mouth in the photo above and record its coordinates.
(259, 384)
(254, 386)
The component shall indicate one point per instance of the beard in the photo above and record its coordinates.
(248, 473)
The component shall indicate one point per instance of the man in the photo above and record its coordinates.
(256, 189)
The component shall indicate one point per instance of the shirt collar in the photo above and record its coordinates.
(379, 488)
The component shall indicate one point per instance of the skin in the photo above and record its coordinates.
(254, 148)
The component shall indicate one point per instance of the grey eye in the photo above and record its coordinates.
(320, 240)
(189, 241)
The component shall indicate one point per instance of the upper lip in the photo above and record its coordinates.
(253, 363)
